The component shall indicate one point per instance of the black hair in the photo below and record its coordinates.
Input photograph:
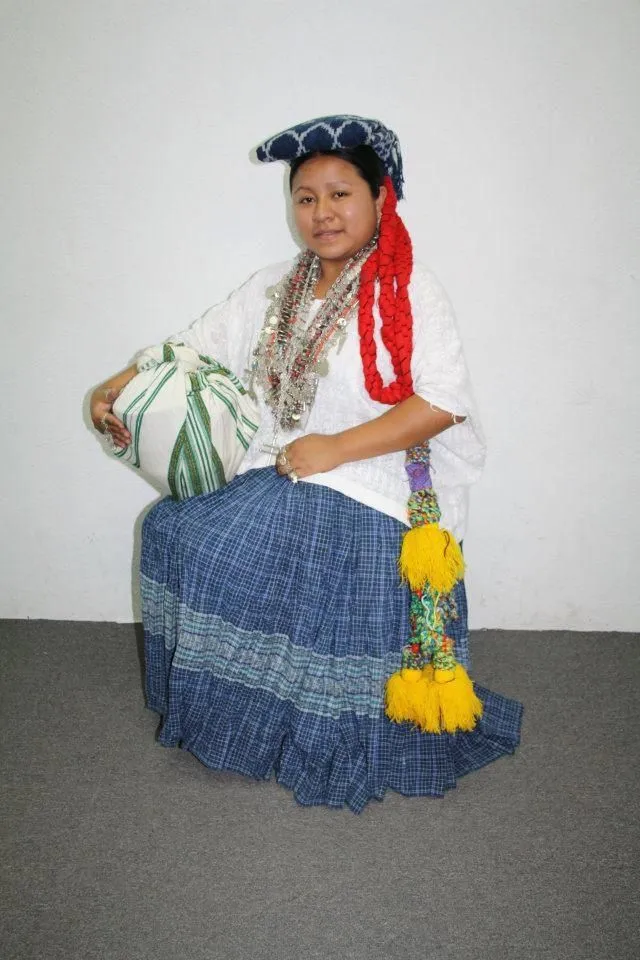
(363, 158)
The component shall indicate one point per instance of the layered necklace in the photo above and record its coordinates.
(291, 354)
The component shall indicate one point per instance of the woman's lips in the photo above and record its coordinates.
(327, 234)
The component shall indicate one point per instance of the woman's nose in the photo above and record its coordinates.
(322, 208)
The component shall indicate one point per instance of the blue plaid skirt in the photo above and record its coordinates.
(273, 615)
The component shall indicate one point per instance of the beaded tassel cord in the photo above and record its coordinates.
(431, 689)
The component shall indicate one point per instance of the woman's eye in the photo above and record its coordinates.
(340, 194)
(305, 200)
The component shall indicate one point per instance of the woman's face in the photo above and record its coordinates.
(334, 210)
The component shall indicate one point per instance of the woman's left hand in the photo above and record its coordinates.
(315, 453)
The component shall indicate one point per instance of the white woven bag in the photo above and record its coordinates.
(191, 421)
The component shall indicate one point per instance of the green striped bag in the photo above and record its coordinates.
(191, 421)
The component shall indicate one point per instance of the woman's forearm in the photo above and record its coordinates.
(409, 422)
(119, 380)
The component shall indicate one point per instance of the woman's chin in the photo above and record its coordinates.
(333, 250)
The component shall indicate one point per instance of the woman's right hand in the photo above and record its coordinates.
(101, 406)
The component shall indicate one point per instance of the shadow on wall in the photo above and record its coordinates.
(86, 416)
(286, 196)
(137, 526)
(136, 601)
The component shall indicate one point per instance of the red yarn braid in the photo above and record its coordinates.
(390, 264)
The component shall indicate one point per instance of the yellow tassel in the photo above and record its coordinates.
(431, 555)
(458, 705)
(428, 672)
(427, 711)
(437, 701)
(403, 694)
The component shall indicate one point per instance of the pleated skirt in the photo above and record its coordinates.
(273, 615)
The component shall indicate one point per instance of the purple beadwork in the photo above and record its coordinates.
(419, 476)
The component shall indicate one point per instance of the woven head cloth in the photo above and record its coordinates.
(335, 133)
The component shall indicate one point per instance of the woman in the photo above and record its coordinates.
(273, 610)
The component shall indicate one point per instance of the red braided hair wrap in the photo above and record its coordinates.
(390, 265)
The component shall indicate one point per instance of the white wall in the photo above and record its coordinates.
(130, 205)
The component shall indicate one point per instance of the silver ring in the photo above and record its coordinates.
(293, 476)
(282, 459)
(107, 436)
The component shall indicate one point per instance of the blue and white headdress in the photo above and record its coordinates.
(335, 133)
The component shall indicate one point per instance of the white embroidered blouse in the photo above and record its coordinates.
(228, 332)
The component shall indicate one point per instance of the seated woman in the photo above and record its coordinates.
(274, 613)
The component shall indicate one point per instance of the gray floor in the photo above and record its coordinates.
(113, 847)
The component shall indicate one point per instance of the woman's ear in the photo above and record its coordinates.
(382, 196)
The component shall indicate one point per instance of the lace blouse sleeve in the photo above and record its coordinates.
(228, 331)
(224, 332)
(438, 366)
(439, 369)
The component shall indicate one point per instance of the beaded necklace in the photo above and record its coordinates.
(291, 354)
